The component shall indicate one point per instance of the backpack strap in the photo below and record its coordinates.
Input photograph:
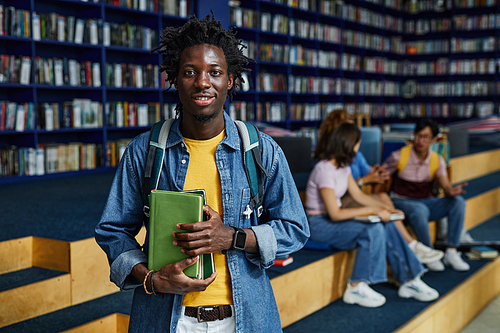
(154, 161)
(405, 156)
(250, 138)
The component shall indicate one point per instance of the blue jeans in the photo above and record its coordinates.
(419, 212)
(374, 242)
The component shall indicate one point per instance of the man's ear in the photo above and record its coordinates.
(230, 82)
(175, 82)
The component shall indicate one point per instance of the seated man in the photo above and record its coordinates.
(417, 167)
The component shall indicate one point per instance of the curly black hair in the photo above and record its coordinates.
(174, 40)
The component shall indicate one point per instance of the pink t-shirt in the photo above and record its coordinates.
(415, 170)
(326, 175)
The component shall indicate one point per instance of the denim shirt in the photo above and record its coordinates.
(285, 228)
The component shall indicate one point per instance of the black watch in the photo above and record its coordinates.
(239, 239)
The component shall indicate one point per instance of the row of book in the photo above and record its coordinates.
(64, 71)
(425, 26)
(280, 111)
(49, 158)
(15, 22)
(171, 7)
(474, 3)
(301, 4)
(242, 110)
(444, 66)
(461, 110)
(121, 75)
(349, 12)
(15, 69)
(373, 42)
(478, 22)
(428, 46)
(485, 44)
(368, 17)
(459, 88)
(128, 114)
(115, 150)
(269, 82)
(79, 113)
(53, 26)
(315, 31)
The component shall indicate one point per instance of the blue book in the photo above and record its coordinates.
(484, 252)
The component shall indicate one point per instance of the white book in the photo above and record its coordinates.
(142, 115)
(31, 161)
(138, 76)
(77, 115)
(25, 71)
(142, 5)
(35, 22)
(94, 38)
(245, 86)
(61, 28)
(49, 117)
(20, 112)
(96, 74)
(376, 218)
(183, 8)
(39, 162)
(106, 38)
(80, 26)
(58, 72)
(73, 77)
(119, 114)
(118, 75)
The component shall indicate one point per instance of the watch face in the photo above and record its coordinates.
(240, 238)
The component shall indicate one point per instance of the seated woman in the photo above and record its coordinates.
(332, 224)
(364, 174)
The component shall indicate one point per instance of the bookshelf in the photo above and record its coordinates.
(77, 80)
(391, 59)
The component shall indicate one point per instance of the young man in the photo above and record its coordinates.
(417, 168)
(204, 62)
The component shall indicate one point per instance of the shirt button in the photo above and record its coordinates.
(183, 161)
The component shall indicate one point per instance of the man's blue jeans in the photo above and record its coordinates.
(374, 242)
(419, 212)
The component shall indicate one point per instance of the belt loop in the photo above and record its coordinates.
(221, 312)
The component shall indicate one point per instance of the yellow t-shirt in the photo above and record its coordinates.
(202, 174)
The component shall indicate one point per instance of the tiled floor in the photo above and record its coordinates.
(487, 321)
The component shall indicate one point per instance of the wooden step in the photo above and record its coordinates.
(35, 299)
(472, 166)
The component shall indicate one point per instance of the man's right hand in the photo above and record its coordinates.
(170, 279)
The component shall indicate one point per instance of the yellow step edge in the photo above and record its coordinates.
(456, 309)
(114, 323)
(34, 300)
(472, 166)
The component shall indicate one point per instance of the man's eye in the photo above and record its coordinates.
(216, 72)
(189, 72)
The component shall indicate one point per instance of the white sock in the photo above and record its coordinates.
(451, 250)
(413, 245)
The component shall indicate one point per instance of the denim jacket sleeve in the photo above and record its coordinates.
(122, 218)
(286, 228)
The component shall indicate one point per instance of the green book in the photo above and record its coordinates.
(167, 209)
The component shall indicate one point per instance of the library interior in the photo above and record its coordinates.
(80, 79)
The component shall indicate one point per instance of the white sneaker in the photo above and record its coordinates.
(363, 295)
(454, 259)
(435, 266)
(418, 290)
(426, 254)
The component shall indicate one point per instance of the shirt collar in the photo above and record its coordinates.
(231, 139)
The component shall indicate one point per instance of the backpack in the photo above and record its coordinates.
(252, 158)
(405, 156)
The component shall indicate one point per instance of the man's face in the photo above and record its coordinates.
(423, 140)
(203, 82)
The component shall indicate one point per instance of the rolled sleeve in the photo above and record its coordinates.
(122, 267)
(268, 246)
